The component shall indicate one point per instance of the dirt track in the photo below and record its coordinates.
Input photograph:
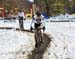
(42, 49)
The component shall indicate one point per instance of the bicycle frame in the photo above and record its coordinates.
(38, 36)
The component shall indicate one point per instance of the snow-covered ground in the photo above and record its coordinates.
(15, 44)
(63, 41)
(14, 24)
(61, 46)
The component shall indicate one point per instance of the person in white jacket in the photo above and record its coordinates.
(21, 17)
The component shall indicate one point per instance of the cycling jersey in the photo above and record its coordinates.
(21, 14)
(38, 20)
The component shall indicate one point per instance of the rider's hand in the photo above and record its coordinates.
(31, 28)
(44, 28)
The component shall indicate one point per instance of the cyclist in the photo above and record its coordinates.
(21, 18)
(38, 20)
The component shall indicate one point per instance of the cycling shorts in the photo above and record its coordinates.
(36, 25)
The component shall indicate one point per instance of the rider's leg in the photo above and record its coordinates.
(20, 22)
(35, 35)
(36, 42)
(22, 25)
(22, 28)
(41, 36)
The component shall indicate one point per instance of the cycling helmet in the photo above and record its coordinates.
(38, 13)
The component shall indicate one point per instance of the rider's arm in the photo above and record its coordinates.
(43, 20)
(33, 19)
(31, 27)
(18, 15)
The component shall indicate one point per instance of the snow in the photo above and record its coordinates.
(14, 23)
(14, 43)
(7, 23)
(62, 45)
(63, 41)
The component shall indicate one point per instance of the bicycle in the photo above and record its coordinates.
(38, 37)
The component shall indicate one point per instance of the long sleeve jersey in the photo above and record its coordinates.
(38, 20)
(21, 14)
